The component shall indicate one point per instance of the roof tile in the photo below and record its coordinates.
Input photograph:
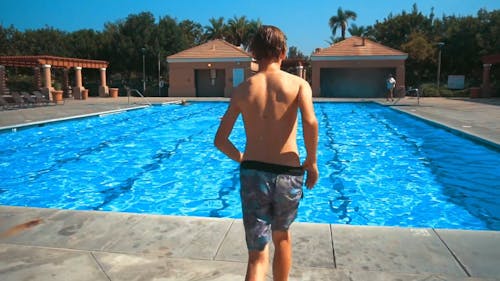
(212, 49)
(353, 46)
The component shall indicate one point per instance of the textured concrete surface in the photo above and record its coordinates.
(50, 244)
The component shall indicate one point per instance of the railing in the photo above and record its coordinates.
(414, 91)
(140, 94)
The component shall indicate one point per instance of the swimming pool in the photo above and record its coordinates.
(378, 167)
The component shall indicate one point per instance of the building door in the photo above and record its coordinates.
(238, 76)
(354, 82)
(210, 82)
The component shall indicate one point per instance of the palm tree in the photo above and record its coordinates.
(216, 30)
(237, 28)
(355, 30)
(340, 20)
(251, 29)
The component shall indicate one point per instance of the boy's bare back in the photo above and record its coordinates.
(269, 102)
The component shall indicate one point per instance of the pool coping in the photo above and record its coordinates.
(62, 119)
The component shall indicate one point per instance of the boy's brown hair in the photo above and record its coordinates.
(269, 42)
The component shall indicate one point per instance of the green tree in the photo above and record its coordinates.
(421, 53)
(124, 41)
(239, 31)
(172, 38)
(10, 39)
(251, 29)
(216, 29)
(415, 34)
(236, 30)
(355, 30)
(192, 32)
(340, 21)
(394, 30)
(295, 53)
(86, 44)
(44, 41)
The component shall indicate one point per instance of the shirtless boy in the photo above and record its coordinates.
(271, 175)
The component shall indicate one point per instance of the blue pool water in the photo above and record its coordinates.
(378, 167)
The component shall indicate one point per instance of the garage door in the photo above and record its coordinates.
(206, 86)
(354, 82)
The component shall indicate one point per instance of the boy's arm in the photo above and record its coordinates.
(222, 141)
(310, 130)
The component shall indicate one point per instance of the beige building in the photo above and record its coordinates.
(212, 69)
(356, 68)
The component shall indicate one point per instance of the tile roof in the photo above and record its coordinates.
(215, 49)
(354, 47)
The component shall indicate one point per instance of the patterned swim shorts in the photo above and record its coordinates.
(270, 196)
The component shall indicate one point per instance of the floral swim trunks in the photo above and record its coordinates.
(270, 196)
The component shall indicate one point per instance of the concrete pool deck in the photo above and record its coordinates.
(49, 244)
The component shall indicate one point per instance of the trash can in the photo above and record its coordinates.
(475, 92)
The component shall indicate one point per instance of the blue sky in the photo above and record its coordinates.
(304, 22)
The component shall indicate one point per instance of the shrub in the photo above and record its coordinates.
(20, 83)
(430, 90)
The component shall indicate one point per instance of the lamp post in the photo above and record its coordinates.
(440, 45)
(159, 75)
(143, 71)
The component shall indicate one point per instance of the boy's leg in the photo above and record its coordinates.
(282, 260)
(287, 195)
(256, 220)
(258, 263)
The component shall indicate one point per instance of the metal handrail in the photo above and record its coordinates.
(140, 94)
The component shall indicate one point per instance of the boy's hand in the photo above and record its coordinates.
(312, 173)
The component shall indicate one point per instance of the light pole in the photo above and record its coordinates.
(159, 75)
(143, 71)
(440, 45)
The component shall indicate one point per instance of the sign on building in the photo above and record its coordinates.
(456, 82)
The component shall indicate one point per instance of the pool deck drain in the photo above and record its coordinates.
(50, 244)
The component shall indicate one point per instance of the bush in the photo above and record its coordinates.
(21, 83)
(430, 90)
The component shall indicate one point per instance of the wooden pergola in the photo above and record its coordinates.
(46, 63)
(488, 61)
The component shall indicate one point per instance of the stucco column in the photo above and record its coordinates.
(486, 86)
(78, 88)
(103, 89)
(3, 85)
(38, 78)
(47, 81)
(300, 71)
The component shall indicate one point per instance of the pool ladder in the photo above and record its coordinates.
(139, 93)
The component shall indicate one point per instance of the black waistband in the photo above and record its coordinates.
(272, 168)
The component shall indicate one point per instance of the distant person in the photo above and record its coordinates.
(391, 84)
(271, 176)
